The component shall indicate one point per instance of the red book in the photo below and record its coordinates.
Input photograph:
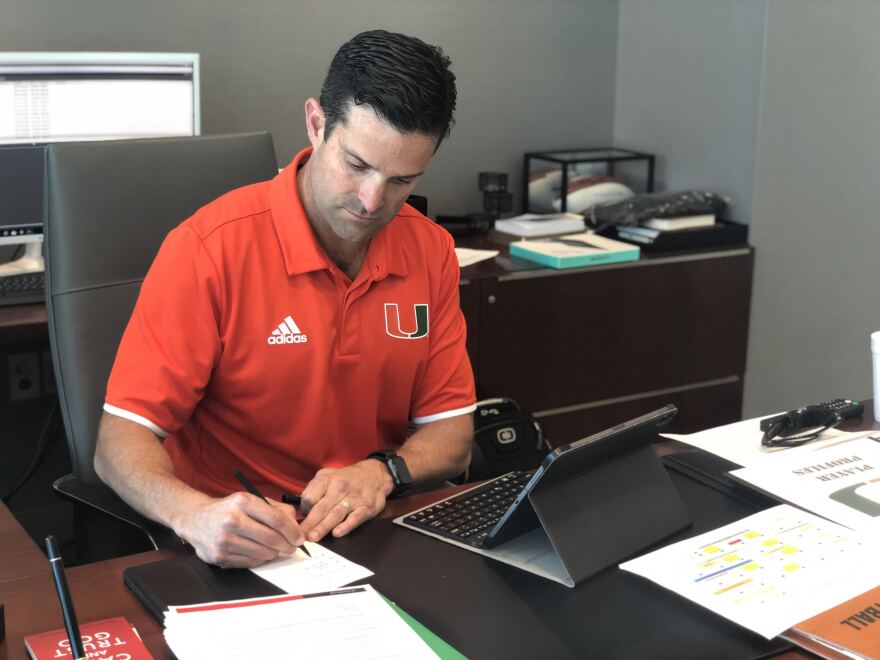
(849, 630)
(108, 639)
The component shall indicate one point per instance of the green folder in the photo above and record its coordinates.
(438, 646)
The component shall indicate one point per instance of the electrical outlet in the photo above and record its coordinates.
(24, 376)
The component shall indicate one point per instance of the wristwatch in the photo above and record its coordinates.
(396, 468)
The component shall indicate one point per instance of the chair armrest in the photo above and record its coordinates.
(103, 499)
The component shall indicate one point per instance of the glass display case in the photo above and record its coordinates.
(590, 176)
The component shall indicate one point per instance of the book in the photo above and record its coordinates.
(573, 250)
(655, 240)
(541, 224)
(679, 222)
(850, 630)
(107, 639)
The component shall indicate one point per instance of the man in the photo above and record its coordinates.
(294, 328)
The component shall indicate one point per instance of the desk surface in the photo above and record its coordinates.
(19, 556)
(99, 592)
(19, 323)
(27, 591)
(31, 604)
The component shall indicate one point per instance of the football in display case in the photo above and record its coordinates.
(589, 177)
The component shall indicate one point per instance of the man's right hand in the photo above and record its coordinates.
(240, 530)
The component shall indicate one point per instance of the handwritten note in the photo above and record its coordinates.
(299, 574)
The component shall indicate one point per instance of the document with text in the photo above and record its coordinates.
(344, 624)
(299, 574)
(769, 571)
(839, 482)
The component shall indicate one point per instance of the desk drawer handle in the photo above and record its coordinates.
(491, 300)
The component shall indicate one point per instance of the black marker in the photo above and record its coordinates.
(76, 645)
(296, 500)
(249, 487)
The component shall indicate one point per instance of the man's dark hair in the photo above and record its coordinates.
(404, 80)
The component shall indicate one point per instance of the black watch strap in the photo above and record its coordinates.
(396, 467)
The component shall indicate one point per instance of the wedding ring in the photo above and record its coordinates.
(346, 505)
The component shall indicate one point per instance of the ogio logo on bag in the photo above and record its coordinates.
(506, 435)
(287, 332)
(393, 326)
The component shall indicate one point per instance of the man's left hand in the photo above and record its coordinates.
(340, 499)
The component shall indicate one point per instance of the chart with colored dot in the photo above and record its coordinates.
(768, 571)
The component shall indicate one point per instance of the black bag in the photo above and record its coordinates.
(505, 438)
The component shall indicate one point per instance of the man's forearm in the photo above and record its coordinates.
(132, 461)
(439, 450)
(238, 530)
(340, 499)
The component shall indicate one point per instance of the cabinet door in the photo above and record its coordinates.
(571, 337)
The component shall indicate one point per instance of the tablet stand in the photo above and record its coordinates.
(600, 517)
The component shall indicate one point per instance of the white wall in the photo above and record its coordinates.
(816, 220)
(789, 133)
(688, 84)
(531, 75)
(776, 104)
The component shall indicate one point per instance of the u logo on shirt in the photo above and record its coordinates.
(393, 326)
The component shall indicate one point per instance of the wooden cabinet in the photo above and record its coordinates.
(584, 349)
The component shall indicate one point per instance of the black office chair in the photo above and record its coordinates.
(109, 205)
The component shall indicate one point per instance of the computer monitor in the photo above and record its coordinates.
(63, 97)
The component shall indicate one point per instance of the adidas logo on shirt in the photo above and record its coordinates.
(287, 332)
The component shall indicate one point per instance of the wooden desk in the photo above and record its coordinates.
(23, 323)
(98, 590)
(19, 555)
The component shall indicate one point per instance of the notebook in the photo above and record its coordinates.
(589, 505)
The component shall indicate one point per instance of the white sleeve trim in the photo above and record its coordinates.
(138, 419)
(445, 415)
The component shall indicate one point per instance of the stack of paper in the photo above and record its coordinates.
(347, 623)
(470, 256)
(541, 224)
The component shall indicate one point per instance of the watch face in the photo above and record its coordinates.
(396, 467)
(399, 471)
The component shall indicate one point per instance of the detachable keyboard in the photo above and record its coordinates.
(22, 288)
(470, 516)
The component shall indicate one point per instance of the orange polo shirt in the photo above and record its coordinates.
(249, 349)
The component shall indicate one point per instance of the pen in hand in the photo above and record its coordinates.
(249, 487)
(293, 500)
(67, 611)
